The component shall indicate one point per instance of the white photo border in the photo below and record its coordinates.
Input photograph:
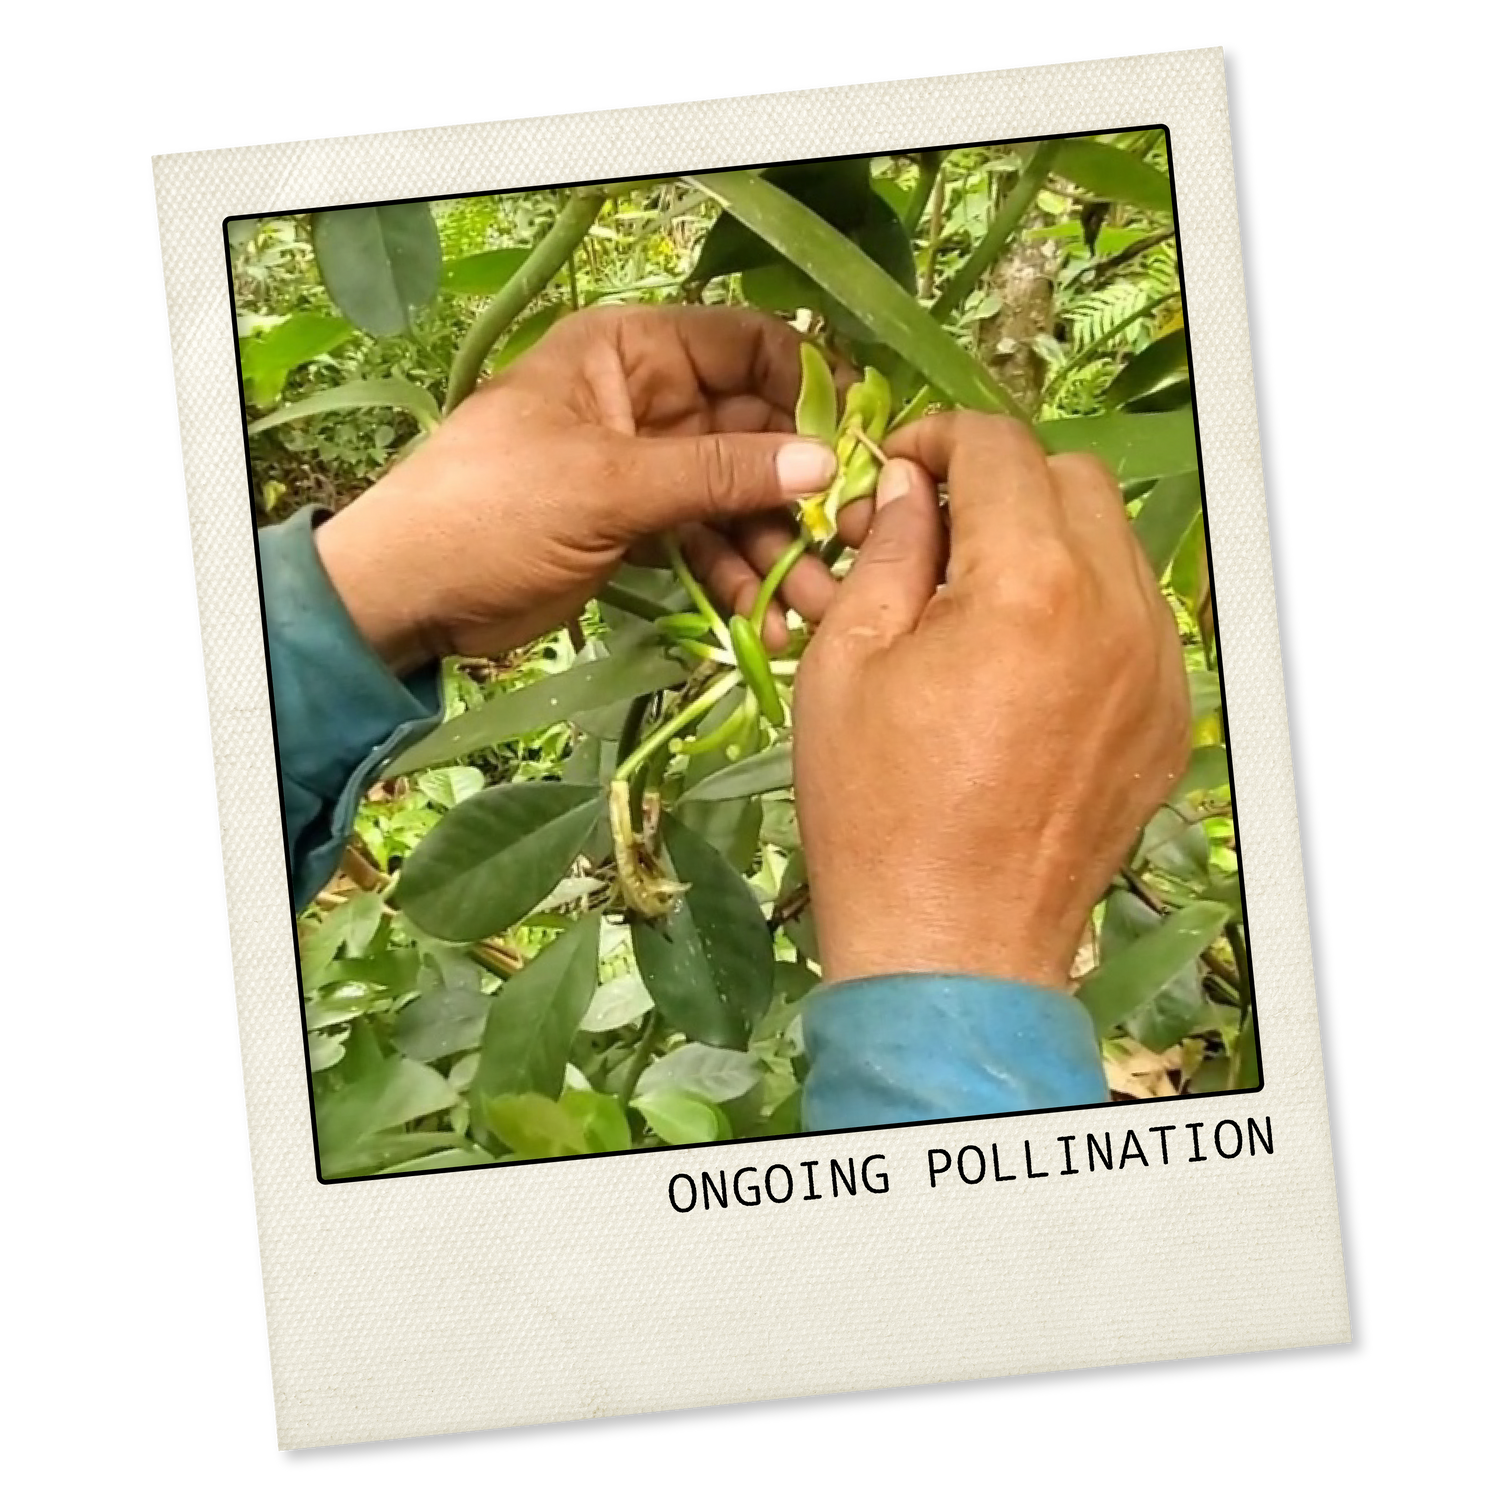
(469, 1300)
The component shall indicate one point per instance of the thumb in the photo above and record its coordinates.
(669, 481)
(900, 564)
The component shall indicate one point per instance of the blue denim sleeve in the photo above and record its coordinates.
(907, 1047)
(340, 713)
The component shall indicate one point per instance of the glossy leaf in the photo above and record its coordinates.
(1171, 1013)
(1138, 974)
(482, 275)
(1114, 175)
(496, 857)
(855, 280)
(678, 1118)
(605, 1127)
(440, 1023)
(1145, 445)
(589, 685)
(1208, 771)
(525, 334)
(536, 1127)
(838, 192)
(616, 1003)
(1150, 369)
(355, 395)
(769, 771)
(380, 263)
(268, 358)
(1166, 516)
(393, 1092)
(535, 1017)
(467, 1155)
(717, 1074)
(390, 1151)
(709, 965)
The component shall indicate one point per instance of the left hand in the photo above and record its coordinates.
(622, 423)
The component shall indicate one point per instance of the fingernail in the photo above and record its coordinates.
(894, 482)
(805, 468)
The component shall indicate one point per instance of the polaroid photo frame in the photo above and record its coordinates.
(943, 1256)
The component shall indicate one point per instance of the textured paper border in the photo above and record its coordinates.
(564, 1290)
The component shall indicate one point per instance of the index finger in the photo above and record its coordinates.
(999, 487)
(736, 351)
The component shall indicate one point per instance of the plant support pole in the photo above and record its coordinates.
(547, 258)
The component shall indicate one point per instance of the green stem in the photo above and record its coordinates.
(701, 601)
(665, 733)
(1236, 936)
(773, 581)
(1000, 233)
(929, 164)
(640, 1057)
(547, 258)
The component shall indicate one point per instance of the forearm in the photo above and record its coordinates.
(340, 714)
(909, 1047)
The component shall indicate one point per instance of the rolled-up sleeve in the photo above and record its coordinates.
(909, 1047)
(340, 713)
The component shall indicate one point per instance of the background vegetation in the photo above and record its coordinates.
(462, 1012)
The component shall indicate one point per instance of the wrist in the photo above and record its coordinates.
(869, 942)
(364, 569)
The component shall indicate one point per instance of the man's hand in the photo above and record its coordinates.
(621, 424)
(974, 760)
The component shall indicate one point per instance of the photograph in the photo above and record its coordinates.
(742, 653)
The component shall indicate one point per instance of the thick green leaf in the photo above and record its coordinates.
(268, 358)
(605, 1127)
(1175, 845)
(839, 192)
(589, 685)
(1171, 1013)
(1117, 988)
(616, 1003)
(353, 396)
(496, 857)
(717, 1074)
(1165, 398)
(1145, 445)
(1244, 1063)
(678, 1118)
(535, 1017)
(451, 785)
(1208, 771)
(733, 828)
(535, 1126)
(391, 1093)
(844, 271)
(1166, 516)
(1228, 891)
(770, 771)
(441, 1022)
(390, 1151)
(379, 263)
(466, 1155)
(710, 965)
(1152, 367)
(526, 333)
(1115, 175)
(482, 275)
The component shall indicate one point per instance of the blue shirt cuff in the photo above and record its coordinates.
(340, 712)
(909, 1047)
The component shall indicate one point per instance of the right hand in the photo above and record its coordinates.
(974, 761)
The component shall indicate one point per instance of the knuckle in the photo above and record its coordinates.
(719, 472)
(1083, 471)
(1049, 579)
